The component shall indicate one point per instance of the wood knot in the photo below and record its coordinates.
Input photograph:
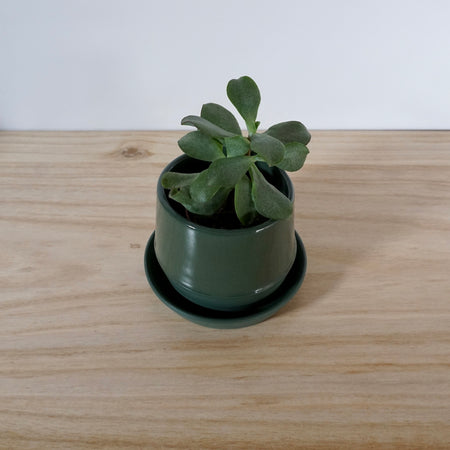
(134, 149)
(132, 152)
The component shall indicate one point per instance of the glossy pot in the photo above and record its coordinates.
(223, 269)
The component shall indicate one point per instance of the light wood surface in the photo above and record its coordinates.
(90, 358)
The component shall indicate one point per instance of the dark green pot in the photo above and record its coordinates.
(220, 269)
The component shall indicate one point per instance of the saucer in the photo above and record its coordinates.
(207, 317)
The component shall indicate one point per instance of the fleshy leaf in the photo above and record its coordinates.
(171, 180)
(269, 201)
(269, 148)
(243, 201)
(244, 94)
(200, 146)
(224, 173)
(292, 131)
(236, 146)
(207, 208)
(205, 126)
(294, 157)
(220, 116)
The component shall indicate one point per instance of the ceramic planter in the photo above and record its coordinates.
(221, 272)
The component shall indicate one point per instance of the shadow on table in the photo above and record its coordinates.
(314, 287)
(317, 283)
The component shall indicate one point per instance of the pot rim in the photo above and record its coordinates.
(163, 199)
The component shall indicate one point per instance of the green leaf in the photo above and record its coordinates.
(205, 126)
(243, 201)
(221, 173)
(171, 180)
(294, 157)
(200, 146)
(291, 131)
(208, 208)
(244, 94)
(269, 201)
(269, 148)
(236, 146)
(220, 116)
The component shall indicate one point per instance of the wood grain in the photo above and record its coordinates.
(90, 358)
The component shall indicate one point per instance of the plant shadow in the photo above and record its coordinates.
(352, 206)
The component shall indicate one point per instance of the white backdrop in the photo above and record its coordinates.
(136, 64)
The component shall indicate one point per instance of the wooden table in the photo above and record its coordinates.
(90, 358)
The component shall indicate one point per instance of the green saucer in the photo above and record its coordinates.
(200, 315)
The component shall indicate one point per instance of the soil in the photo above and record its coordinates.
(225, 218)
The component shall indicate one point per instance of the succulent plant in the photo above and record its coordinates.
(234, 159)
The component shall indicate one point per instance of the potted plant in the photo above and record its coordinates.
(225, 253)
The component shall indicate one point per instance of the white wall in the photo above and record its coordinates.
(136, 64)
